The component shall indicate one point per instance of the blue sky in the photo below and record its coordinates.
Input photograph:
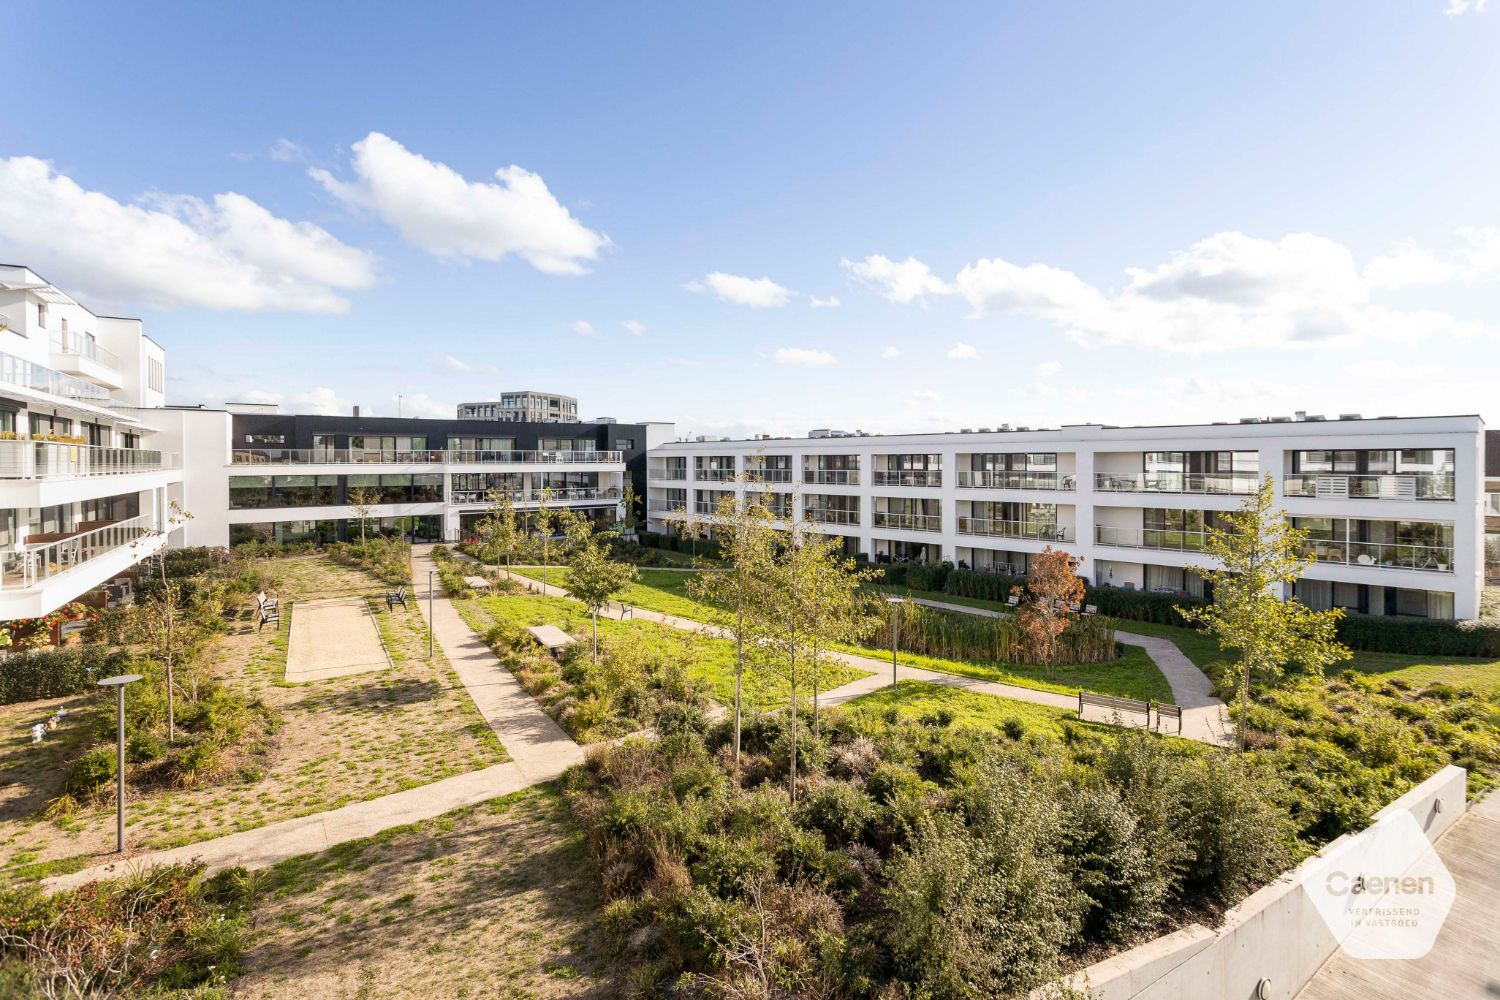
(1027, 213)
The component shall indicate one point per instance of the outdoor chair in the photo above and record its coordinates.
(395, 597)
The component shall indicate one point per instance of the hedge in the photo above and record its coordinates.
(1131, 605)
(1377, 634)
(53, 673)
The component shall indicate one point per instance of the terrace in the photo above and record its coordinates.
(59, 460)
(45, 556)
(387, 456)
(998, 528)
(1371, 486)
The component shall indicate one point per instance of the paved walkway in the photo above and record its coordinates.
(333, 638)
(1205, 723)
(1465, 959)
(539, 751)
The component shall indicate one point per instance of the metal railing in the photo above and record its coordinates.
(832, 515)
(394, 456)
(54, 460)
(535, 496)
(1006, 480)
(714, 475)
(665, 507)
(831, 477)
(1381, 555)
(1233, 483)
(1171, 539)
(35, 564)
(678, 474)
(770, 475)
(909, 522)
(1371, 486)
(83, 347)
(908, 477)
(19, 371)
(1012, 529)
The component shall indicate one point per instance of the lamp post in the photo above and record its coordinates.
(430, 621)
(895, 603)
(118, 683)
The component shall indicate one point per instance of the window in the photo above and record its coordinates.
(41, 315)
(625, 444)
(65, 329)
(155, 374)
(265, 440)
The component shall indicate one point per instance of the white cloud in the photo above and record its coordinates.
(802, 356)
(902, 282)
(962, 351)
(1049, 368)
(433, 206)
(173, 250)
(634, 327)
(287, 151)
(891, 353)
(1216, 390)
(321, 401)
(924, 396)
(1041, 389)
(455, 364)
(757, 293)
(450, 363)
(1476, 259)
(584, 328)
(1457, 7)
(1229, 290)
(832, 302)
(1380, 370)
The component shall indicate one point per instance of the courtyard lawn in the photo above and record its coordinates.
(917, 701)
(710, 662)
(1132, 675)
(339, 741)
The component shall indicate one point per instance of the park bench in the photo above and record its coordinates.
(1168, 711)
(1091, 609)
(395, 597)
(1115, 705)
(551, 638)
(269, 616)
(477, 583)
(1014, 600)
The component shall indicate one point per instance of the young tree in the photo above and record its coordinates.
(498, 529)
(1258, 553)
(155, 619)
(592, 578)
(543, 521)
(362, 500)
(1052, 591)
(741, 595)
(629, 507)
(841, 612)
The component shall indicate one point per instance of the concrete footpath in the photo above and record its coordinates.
(539, 750)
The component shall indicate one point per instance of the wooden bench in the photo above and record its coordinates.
(1115, 705)
(1168, 711)
(395, 597)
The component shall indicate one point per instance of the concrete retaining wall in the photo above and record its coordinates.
(1275, 934)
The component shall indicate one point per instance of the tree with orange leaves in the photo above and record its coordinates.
(1049, 602)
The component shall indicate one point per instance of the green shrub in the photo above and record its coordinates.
(31, 675)
(1134, 605)
(840, 810)
(1382, 634)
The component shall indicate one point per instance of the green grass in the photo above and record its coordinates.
(710, 662)
(916, 700)
(1132, 675)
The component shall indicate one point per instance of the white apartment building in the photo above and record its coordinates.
(86, 476)
(1394, 506)
(524, 408)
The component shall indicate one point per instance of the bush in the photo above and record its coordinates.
(1134, 605)
(52, 673)
(387, 558)
(1381, 634)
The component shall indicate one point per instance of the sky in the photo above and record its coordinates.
(772, 217)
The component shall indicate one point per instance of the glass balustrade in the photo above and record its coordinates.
(34, 564)
(55, 460)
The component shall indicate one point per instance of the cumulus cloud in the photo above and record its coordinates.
(1229, 290)
(634, 327)
(287, 151)
(451, 363)
(1457, 7)
(584, 328)
(433, 206)
(1476, 258)
(419, 404)
(757, 293)
(902, 282)
(174, 250)
(891, 353)
(1382, 370)
(962, 352)
(802, 356)
(832, 302)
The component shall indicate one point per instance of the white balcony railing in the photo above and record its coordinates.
(535, 496)
(665, 508)
(1371, 486)
(55, 460)
(713, 475)
(1004, 480)
(908, 477)
(831, 477)
(909, 522)
(1169, 539)
(83, 347)
(380, 456)
(1012, 529)
(1381, 555)
(1233, 483)
(770, 475)
(671, 474)
(36, 563)
(832, 515)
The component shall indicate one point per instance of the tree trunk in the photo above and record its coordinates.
(815, 690)
(596, 637)
(739, 673)
(167, 601)
(792, 664)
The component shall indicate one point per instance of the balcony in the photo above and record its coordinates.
(909, 522)
(831, 477)
(18, 371)
(1012, 529)
(1003, 480)
(535, 496)
(1381, 555)
(770, 475)
(665, 508)
(714, 475)
(1167, 539)
(1227, 483)
(45, 559)
(55, 460)
(832, 515)
(908, 477)
(669, 474)
(1371, 486)
(81, 356)
(378, 456)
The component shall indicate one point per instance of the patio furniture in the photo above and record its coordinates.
(395, 597)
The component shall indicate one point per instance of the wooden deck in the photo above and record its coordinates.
(1464, 962)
